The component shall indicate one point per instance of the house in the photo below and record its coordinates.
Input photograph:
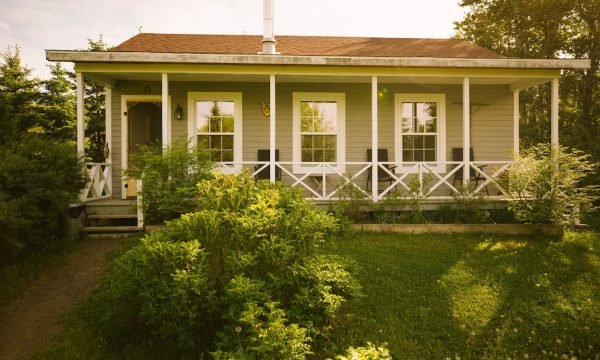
(443, 112)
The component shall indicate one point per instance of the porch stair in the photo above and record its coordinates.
(111, 218)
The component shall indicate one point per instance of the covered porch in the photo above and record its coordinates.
(472, 113)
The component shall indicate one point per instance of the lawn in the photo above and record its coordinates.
(439, 296)
(473, 296)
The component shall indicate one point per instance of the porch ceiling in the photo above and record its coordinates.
(515, 82)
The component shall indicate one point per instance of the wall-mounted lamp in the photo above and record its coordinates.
(178, 113)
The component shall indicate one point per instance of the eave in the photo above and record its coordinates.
(277, 60)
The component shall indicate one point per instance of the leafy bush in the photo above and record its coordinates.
(169, 179)
(239, 277)
(38, 179)
(369, 352)
(549, 189)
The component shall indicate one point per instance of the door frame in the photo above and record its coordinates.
(125, 130)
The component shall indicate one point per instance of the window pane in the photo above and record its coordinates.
(327, 116)
(203, 114)
(306, 124)
(307, 141)
(203, 142)
(418, 155)
(215, 124)
(408, 142)
(307, 156)
(318, 156)
(227, 142)
(407, 110)
(429, 155)
(306, 108)
(318, 141)
(227, 155)
(227, 124)
(430, 141)
(407, 125)
(407, 155)
(329, 156)
(419, 141)
(330, 142)
(215, 142)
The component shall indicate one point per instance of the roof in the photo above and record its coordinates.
(306, 46)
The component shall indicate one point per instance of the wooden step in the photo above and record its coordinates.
(111, 229)
(111, 216)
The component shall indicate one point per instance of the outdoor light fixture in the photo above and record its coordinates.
(178, 113)
(266, 109)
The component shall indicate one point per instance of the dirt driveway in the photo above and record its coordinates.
(30, 321)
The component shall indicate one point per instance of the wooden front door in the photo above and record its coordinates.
(145, 128)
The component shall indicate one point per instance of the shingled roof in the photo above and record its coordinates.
(306, 46)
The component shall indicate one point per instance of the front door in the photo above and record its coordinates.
(145, 127)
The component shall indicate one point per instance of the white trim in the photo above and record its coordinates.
(108, 130)
(516, 122)
(440, 165)
(340, 99)
(236, 97)
(347, 61)
(165, 112)
(125, 131)
(374, 140)
(466, 131)
(80, 114)
(554, 114)
(272, 119)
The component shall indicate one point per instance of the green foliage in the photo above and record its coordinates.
(58, 106)
(169, 177)
(548, 188)
(19, 95)
(369, 352)
(546, 29)
(38, 179)
(238, 278)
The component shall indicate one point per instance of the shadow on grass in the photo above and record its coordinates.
(476, 296)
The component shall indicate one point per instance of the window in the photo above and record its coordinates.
(318, 130)
(420, 129)
(215, 126)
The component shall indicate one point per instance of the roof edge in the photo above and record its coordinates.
(187, 58)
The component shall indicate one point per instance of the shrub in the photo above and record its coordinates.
(549, 189)
(239, 277)
(38, 179)
(369, 352)
(169, 178)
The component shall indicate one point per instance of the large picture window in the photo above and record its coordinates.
(318, 130)
(420, 129)
(215, 126)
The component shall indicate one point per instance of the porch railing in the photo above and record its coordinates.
(98, 185)
(324, 182)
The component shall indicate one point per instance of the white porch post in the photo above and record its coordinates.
(516, 122)
(466, 131)
(554, 116)
(166, 136)
(272, 128)
(374, 140)
(80, 115)
(108, 131)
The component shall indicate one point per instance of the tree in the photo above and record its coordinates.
(58, 106)
(546, 29)
(19, 94)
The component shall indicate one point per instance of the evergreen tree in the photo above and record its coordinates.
(95, 111)
(19, 94)
(58, 104)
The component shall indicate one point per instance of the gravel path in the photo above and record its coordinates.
(30, 321)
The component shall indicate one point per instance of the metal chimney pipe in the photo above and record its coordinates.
(269, 33)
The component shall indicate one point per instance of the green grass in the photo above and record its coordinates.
(16, 274)
(436, 296)
(475, 296)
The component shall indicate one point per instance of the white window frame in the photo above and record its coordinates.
(340, 99)
(440, 164)
(236, 97)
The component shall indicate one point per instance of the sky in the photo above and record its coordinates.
(36, 25)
